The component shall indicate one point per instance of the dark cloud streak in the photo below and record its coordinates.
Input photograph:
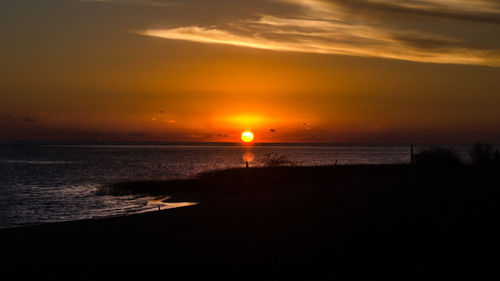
(426, 9)
(424, 41)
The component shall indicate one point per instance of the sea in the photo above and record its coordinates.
(52, 182)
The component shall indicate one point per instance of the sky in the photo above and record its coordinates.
(329, 71)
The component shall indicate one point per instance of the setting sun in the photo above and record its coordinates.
(247, 137)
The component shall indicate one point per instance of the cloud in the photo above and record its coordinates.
(366, 28)
(424, 41)
(486, 11)
(272, 130)
(215, 36)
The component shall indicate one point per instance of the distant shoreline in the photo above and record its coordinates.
(239, 144)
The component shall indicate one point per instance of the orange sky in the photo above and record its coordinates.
(290, 71)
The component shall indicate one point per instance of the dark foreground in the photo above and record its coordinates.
(341, 222)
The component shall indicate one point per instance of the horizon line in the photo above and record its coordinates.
(97, 142)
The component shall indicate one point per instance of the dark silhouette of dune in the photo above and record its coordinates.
(342, 222)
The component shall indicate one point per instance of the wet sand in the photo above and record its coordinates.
(342, 222)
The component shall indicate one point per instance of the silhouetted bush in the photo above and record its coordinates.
(275, 160)
(482, 154)
(438, 157)
(496, 158)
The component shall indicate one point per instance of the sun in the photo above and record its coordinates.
(247, 136)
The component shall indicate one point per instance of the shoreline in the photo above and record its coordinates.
(161, 202)
(350, 220)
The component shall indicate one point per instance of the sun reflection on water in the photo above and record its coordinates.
(248, 156)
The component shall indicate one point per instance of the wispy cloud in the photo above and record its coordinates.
(360, 28)
(487, 11)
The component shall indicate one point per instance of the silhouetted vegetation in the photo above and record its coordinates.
(496, 157)
(275, 160)
(438, 157)
(482, 154)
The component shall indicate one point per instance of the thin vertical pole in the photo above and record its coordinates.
(412, 159)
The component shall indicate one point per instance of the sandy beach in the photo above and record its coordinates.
(347, 222)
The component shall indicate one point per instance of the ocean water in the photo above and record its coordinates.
(41, 183)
